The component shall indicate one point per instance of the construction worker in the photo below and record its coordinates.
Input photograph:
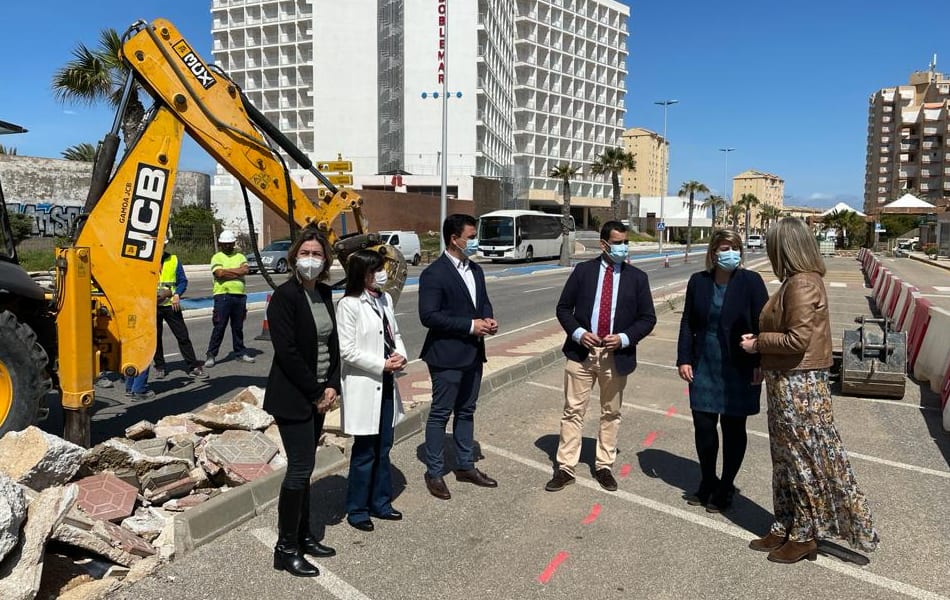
(172, 284)
(229, 268)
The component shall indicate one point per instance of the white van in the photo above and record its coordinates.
(407, 242)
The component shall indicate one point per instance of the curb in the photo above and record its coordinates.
(927, 261)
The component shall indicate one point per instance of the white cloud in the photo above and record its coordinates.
(820, 197)
(69, 112)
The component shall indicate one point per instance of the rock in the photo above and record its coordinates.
(332, 420)
(173, 425)
(20, 578)
(182, 504)
(127, 475)
(105, 496)
(163, 475)
(234, 415)
(80, 530)
(113, 455)
(273, 434)
(252, 395)
(201, 478)
(338, 441)
(151, 446)
(143, 569)
(182, 448)
(12, 513)
(140, 431)
(146, 523)
(92, 590)
(174, 489)
(38, 459)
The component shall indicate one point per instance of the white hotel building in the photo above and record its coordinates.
(542, 83)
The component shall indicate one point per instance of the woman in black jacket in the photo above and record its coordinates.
(304, 382)
(723, 302)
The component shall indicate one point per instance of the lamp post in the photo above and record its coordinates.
(666, 171)
(725, 175)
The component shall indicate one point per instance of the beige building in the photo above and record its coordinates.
(768, 188)
(908, 148)
(652, 153)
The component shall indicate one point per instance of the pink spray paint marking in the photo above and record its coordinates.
(671, 411)
(594, 513)
(648, 441)
(546, 575)
(625, 470)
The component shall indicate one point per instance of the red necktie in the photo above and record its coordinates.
(606, 295)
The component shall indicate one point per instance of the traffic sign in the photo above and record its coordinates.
(660, 226)
(340, 179)
(335, 165)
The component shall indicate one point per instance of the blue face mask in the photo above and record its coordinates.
(471, 247)
(617, 252)
(728, 260)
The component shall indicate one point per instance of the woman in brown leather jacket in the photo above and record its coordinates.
(814, 491)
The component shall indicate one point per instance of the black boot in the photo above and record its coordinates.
(721, 499)
(305, 538)
(287, 554)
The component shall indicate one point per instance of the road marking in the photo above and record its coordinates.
(837, 284)
(722, 527)
(327, 580)
(942, 288)
(625, 470)
(539, 289)
(672, 410)
(592, 516)
(761, 434)
(649, 439)
(548, 572)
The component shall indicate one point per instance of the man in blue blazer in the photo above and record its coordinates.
(454, 307)
(606, 308)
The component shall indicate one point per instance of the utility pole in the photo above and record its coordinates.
(725, 176)
(666, 171)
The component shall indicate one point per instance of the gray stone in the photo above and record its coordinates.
(174, 489)
(92, 590)
(143, 569)
(252, 395)
(92, 540)
(182, 448)
(38, 459)
(146, 523)
(234, 415)
(140, 431)
(163, 475)
(12, 513)
(151, 447)
(201, 478)
(20, 578)
(240, 447)
(128, 475)
(173, 425)
(113, 455)
(273, 434)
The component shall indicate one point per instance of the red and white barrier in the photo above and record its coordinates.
(884, 283)
(889, 303)
(917, 330)
(934, 354)
(874, 273)
(904, 308)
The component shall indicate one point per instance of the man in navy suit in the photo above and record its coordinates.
(606, 308)
(454, 307)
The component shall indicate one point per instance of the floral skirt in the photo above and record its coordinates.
(814, 491)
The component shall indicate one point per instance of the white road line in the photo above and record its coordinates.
(722, 527)
(539, 289)
(942, 288)
(327, 580)
(837, 284)
(762, 434)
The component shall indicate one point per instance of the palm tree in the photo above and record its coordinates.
(8, 150)
(96, 75)
(768, 214)
(565, 173)
(83, 152)
(747, 201)
(717, 204)
(691, 188)
(733, 213)
(613, 161)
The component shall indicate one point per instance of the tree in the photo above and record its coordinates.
(21, 226)
(691, 188)
(613, 161)
(565, 173)
(82, 152)
(734, 212)
(718, 205)
(768, 214)
(849, 226)
(747, 201)
(98, 75)
(8, 150)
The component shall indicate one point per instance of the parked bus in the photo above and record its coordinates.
(521, 235)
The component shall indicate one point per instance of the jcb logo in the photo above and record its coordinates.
(145, 213)
(194, 64)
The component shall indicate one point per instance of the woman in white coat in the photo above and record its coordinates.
(371, 351)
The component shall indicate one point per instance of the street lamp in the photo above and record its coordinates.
(666, 172)
(725, 175)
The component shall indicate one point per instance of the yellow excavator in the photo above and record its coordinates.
(100, 315)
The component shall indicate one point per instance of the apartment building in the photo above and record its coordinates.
(652, 153)
(768, 188)
(908, 146)
(532, 84)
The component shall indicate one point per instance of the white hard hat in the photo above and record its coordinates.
(227, 237)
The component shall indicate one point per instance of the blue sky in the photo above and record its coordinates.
(786, 84)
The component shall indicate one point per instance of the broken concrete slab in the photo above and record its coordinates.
(105, 496)
(248, 447)
(92, 590)
(38, 459)
(140, 431)
(252, 395)
(150, 446)
(174, 489)
(186, 502)
(173, 425)
(234, 415)
(112, 455)
(163, 475)
(182, 448)
(147, 523)
(241, 473)
(12, 513)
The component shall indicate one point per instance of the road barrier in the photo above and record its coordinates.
(890, 297)
(905, 302)
(918, 328)
(265, 328)
(880, 290)
(932, 358)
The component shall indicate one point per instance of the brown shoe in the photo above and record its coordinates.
(437, 487)
(792, 552)
(768, 543)
(475, 476)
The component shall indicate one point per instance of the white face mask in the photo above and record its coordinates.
(380, 278)
(309, 267)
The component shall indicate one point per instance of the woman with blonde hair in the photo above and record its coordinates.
(814, 491)
(722, 304)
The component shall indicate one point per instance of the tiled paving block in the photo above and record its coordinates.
(243, 472)
(105, 496)
(128, 541)
(249, 447)
(164, 475)
(151, 447)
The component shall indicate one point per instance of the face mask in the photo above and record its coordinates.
(617, 252)
(471, 247)
(728, 260)
(309, 267)
(380, 277)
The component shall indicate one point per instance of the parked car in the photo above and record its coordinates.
(273, 255)
(755, 241)
(407, 242)
(908, 243)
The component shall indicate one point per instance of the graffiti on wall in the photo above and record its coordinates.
(49, 220)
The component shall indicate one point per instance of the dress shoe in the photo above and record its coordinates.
(792, 552)
(721, 499)
(310, 545)
(606, 479)
(475, 476)
(366, 525)
(392, 515)
(561, 479)
(437, 487)
(768, 543)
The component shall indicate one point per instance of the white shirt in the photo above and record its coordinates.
(464, 269)
(595, 315)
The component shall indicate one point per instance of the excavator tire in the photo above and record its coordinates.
(23, 377)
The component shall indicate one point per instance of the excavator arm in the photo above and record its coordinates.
(107, 279)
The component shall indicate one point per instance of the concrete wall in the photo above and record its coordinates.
(53, 191)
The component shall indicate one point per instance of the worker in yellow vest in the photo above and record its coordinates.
(172, 284)
(229, 267)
